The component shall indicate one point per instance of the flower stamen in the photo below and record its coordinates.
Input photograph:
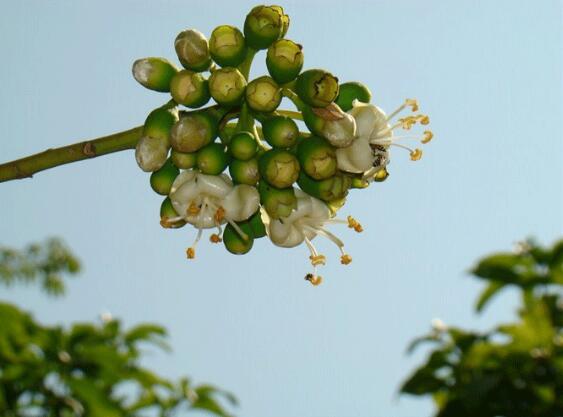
(354, 224)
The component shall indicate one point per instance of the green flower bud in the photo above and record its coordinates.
(316, 87)
(212, 159)
(227, 46)
(227, 86)
(154, 73)
(151, 153)
(263, 94)
(257, 225)
(161, 180)
(159, 122)
(280, 168)
(277, 203)
(190, 89)
(263, 25)
(234, 242)
(183, 160)
(329, 189)
(193, 50)
(317, 158)
(280, 131)
(192, 132)
(284, 60)
(243, 146)
(244, 172)
(348, 92)
(167, 212)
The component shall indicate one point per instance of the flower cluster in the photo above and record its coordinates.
(282, 183)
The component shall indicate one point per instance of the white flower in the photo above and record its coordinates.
(368, 152)
(306, 222)
(209, 201)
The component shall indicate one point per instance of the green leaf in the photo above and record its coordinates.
(493, 288)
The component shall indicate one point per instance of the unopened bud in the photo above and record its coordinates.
(350, 91)
(154, 73)
(193, 50)
(192, 132)
(333, 188)
(189, 89)
(227, 46)
(244, 172)
(263, 94)
(243, 146)
(279, 168)
(167, 211)
(234, 242)
(277, 203)
(159, 122)
(263, 25)
(162, 179)
(183, 160)
(227, 86)
(280, 131)
(212, 159)
(284, 60)
(151, 153)
(317, 88)
(317, 158)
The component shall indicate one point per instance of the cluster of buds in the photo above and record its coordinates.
(282, 183)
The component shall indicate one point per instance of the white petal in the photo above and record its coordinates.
(370, 119)
(356, 158)
(285, 235)
(241, 202)
(341, 132)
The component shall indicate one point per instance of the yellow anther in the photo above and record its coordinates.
(215, 238)
(317, 260)
(412, 103)
(416, 154)
(345, 259)
(219, 215)
(408, 122)
(428, 135)
(314, 279)
(424, 120)
(190, 253)
(354, 224)
(193, 209)
(165, 223)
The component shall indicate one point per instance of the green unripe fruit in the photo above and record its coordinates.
(244, 172)
(192, 132)
(280, 168)
(263, 25)
(189, 89)
(284, 60)
(154, 73)
(333, 188)
(257, 225)
(193, 50)
(348, 92)
(212, 159)
(227, 46)
(317, 158)
(183, 160)
(234, 242)
(167, 212)
(161, 180)
(243, 146)
(277, 203)
(263, 94)
(316, 87)
(280, 131)
(159, 122)
(227, 85)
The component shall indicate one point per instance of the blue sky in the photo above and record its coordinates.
(487, 73)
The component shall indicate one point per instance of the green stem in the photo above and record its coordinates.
(286, 92)
(245, 65)
(289, 113)
(26, 167)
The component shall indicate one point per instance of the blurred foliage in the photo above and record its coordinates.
(45, 263)
(514, 370)
(89, 369)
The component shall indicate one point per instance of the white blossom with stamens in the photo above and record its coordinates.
(209, 201)
(368, 152)
(306, 222)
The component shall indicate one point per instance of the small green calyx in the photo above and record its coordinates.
(279, 168)
(161, 180)
(154, 73)
(317, 158)
(192, 132)
(284, 60)
(227, 86)
(227, 46)
(189, 89)
(192, 49)
(212, 159)
(350, 91)
(263, 94)
(264, 25)
(243, 146)
(316, 87)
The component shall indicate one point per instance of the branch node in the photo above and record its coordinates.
(89, 149)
